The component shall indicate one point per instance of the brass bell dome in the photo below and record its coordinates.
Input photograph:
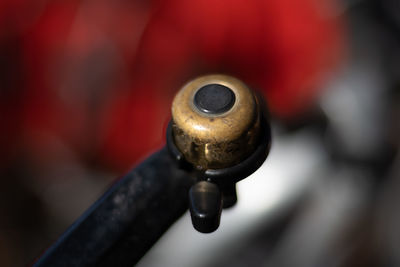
(216, 121)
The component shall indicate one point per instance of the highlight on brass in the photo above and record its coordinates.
(216, 121)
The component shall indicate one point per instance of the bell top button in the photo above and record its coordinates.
(215, 121)
(214, 99)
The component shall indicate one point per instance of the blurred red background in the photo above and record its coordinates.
(97, 78)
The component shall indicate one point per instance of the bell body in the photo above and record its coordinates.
(216, 121)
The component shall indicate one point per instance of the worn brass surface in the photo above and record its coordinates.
(215, 141)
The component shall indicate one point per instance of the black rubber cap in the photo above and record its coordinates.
(205, 203)
(214, 99)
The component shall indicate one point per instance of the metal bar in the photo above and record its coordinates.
(119, 228)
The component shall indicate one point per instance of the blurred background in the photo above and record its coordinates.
(85, 94)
